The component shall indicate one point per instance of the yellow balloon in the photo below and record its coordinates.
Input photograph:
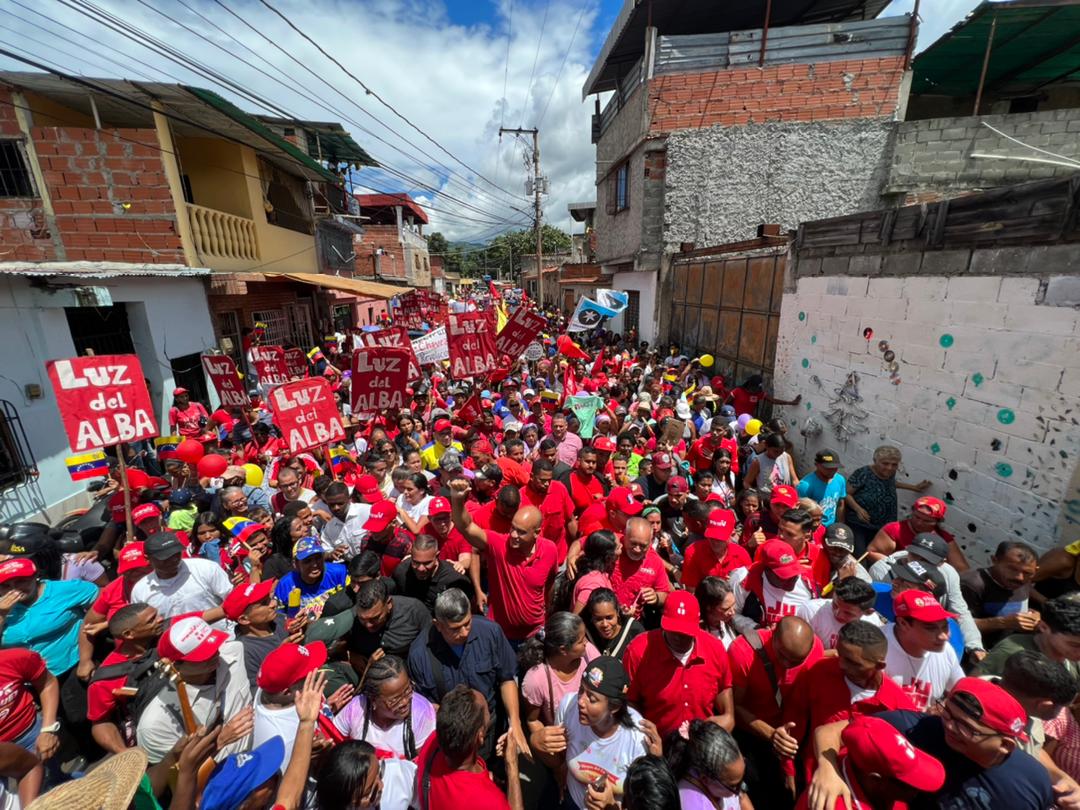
(253, 475)
(707, 361)
(753, 427)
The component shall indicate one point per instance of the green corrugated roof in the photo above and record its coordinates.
(1035, 44)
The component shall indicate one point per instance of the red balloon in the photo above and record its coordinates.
(212, 466)
(190, 451)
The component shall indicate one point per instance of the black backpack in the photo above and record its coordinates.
(141, 674)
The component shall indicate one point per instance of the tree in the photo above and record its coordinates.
(437, 244)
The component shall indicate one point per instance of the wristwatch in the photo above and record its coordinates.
(52, 728)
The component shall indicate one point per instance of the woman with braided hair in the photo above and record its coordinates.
(387, 713)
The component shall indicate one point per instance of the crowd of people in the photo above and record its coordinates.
(494, 598)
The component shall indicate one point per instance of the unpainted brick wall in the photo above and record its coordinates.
(988, 399)
(24, 234)
(391, 264)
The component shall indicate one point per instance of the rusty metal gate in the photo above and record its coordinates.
(729, 308)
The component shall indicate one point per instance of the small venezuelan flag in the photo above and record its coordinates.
(166, 446)
(87, 465)
(339, 456)
(316, 355)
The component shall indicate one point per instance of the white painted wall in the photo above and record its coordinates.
(990, 416)
(167, 317)
(645, 283)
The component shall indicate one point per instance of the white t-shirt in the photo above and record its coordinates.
(350, 721)
(349, 532)
(199, 586)
(588, 756)
(418, 511)
(398, 785)
(819, 614)
(778, 603)
(925, 679)
(275, 721)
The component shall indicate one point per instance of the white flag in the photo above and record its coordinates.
(616, 300)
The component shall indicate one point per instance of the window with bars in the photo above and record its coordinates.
(632, 314)
(14, 172)
(277, 326)
(622, 187)
(228, 329)
(300, 325)
(17, 465)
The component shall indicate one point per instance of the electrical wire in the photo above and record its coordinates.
(584, 7)
(536, 59)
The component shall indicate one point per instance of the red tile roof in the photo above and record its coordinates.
(391, 201)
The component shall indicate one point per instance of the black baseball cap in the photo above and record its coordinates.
(606, 675)
(827, 458)
(839, 535)
(163, 545)
(919, 573)
(930, 547)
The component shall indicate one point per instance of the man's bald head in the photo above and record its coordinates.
(637, 539)
(528, 518)
(525, 529)
(793, 639)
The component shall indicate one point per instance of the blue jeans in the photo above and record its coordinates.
(30, 736)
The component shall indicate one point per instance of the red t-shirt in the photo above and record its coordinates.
(556, 508)
(100, 700)
(903, 535)
(669, 692)
(701, 454)
(631, 576)
(450, 547)
(584, 494)
(701, 562)
(748, 672)
(518, 585)
(18, 667)
(513, 471)
(746, 402)
(451, 788)
(490, 519)
(594, 519)
(112, 597)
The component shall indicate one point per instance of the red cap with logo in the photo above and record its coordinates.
(368, 487)
(288, 664)
(1000, 710)
(677, 485)
(189, 638)
(438, 506)
(920, 606)
(785, 496)
(442, 425)
(382, 515)
(681, 613)
(17, 568)
(244, 596)
(622, 499)
(145, 511)
(130, 557)
(780, 558)
(875, 746)
(934, 507)
(662, 461)
(721, 524)
(604, 444)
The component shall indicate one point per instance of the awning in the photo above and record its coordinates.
(586, 280)
(368, 289)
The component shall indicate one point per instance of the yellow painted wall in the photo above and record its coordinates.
(283, 251)
(214, 168)
(47, 113)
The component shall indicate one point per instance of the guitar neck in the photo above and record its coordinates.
(185, 707)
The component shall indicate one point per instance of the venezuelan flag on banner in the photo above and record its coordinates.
(87, 465)
(339, 455)
(166, 446)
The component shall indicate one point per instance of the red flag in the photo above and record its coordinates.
(568, 348)
(569, 384)
(598, 366)
(469, 412)
(524, 298)
(494, 291)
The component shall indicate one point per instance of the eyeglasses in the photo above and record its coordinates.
(399, 700)
(959, 726)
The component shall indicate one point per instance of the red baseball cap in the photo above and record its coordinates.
(662, 461)
(189, 638)
(382, 515)
(677, 484)
(438, 506)
(17, 568)
(637, 490)
(288, 664)
(442, 425)
(622, 498)
(1001, 711)
(145, 511)
(721, 524)
(244, 596)
(920, 606)
(681, 614)
(875, 746)
(482, 446)
(368, 487)
(934, 506)
(604, 444)
(785, 496)
(780, 558)
(131, 556)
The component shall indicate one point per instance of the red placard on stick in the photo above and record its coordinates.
(269, 362)
(379, 377)
(103, 400)
(222, 372)
(307, 414)
(397, 336)
(472, 345)
(519, 331)
(296, 364)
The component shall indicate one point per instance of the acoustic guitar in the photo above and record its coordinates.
(166, 668)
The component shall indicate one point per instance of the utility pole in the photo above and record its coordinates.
(537, 186)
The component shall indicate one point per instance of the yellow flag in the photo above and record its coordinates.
(500, 317)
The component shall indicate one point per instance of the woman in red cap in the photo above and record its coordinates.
(927, 514)
(187, 418)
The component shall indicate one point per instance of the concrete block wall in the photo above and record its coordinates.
(987, 402)
(933, 157)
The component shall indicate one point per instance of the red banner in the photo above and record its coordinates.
(472, 345)
(379, 377)
(222, 372)
(103, 400)
(397, 336)
(307, 414)
(269, 362)
(410, 313)
(296, 364)
(520, 330)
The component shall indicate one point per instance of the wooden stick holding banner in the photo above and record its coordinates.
(329, 460)
(125, 485)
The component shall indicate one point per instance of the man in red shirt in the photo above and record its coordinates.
(450, 772)
(521, 566)
(611, 515)
(132, 565)
(775, 586)
(582, 482)
(765, 665)
(556, 508)
(927, 513)
(452, 546)
(22, 676)
(715, 556)
(701, 451)
(497, 513)
(679, 673)
(639, 577)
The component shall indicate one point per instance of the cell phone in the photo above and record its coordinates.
(217, 483)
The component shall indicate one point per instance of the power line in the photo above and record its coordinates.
(562, 65)
(536, 58)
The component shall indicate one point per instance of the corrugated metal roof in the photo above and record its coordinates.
(102, 270)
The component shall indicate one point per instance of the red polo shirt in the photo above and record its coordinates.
(100, 700)
(701, 561)
(112, 597)
(450, 547)
(557, 509)
(669, 692)
(748, 672)
(18, 669)
(584, 493)
(453, 788)
(903, 535)
(594, 519)
(631, 576)
(518, 584)
(701, 454)
(487, 517)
